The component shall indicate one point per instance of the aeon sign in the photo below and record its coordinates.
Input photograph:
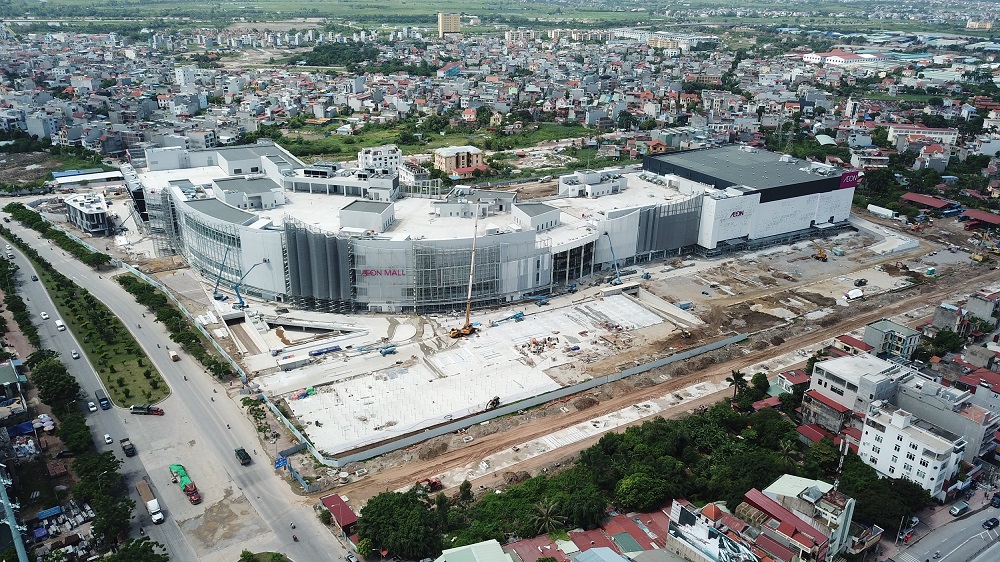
(736, 214)
(849, 179)
(383, 273)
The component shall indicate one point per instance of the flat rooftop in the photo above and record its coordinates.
(729, 165)
(414, 215)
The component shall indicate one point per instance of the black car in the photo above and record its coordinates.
(995, 502)
(991, 523)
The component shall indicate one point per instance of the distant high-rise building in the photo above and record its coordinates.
(449, 23)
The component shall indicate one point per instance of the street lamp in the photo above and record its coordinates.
(99, 487)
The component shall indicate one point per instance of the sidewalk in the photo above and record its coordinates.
(930, 519)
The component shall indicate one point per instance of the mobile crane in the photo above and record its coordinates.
(468, 329)
(820, 252)
(242, 304)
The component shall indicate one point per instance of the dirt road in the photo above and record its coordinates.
(469, 455)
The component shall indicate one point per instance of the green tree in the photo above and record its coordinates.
(547, 519)
(74, 433)
(760, 383)
(142, 550)
(365, 547)
(738, 381)
(641, 492)
(465, 493)
(821, 459)
(39, 356)
(247, 556)
(402, 524)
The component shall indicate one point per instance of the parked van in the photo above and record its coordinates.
(60, 326)
(959, 508)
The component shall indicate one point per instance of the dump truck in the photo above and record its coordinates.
(180, 476)
(243, 456)
(152, 506)
(145, 410)
(127, 447)
(173, 356)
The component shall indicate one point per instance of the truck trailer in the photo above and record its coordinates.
(145, 410)
(152, 506)
(180, 476)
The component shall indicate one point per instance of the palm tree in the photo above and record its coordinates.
(738, 381)
(787, 452)
(547, 518)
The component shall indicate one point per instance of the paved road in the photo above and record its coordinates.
(193, 431)
(961, 539)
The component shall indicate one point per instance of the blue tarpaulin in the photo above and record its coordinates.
(40, 533)
(23, 428)
(50, 512)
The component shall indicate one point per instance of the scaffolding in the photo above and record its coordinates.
(441, 277)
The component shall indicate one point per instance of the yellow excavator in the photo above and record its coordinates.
(820, 252)
(468, 329)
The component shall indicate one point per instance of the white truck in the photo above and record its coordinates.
(152, 506)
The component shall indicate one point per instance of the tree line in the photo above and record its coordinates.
(715, 456)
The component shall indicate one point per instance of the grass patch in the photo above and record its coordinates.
(126, 371)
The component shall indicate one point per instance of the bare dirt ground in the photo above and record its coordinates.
(403, 468)
(532, 190)
(27, 167)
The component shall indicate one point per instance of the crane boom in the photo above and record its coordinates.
(618, 273)
(467, 329)
(215, 292)
(242, 304)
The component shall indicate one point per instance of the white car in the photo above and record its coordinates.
(108, 439)
(44, 315)
(91, 406)
(74, 354)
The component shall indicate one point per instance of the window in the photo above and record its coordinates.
(921, 474)
(895, 459)
(892, 470)
(878, 438)
(907, 467)
(913, 446)
(876, 450)
(924, 463)
(911, 456)
(838, 391)
(899, 438)
(896, 447)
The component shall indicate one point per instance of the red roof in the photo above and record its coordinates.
(855, 343)
(798, 376)
(587, 540)
(769, 402)
(927, 201)
(341, 512)
(530, 550)
(984, 216)
(827, 401)
(802, 531)
(813, 432)
(838, 352)
(774, 548)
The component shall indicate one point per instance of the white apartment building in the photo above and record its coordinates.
(898, 445)
(857, 381)
(945, 136)
(385, 158)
